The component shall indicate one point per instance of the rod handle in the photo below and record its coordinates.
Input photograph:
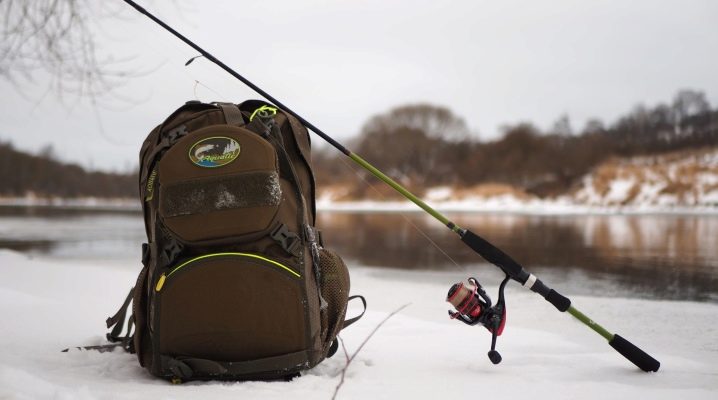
(635, 355)
(494, 255)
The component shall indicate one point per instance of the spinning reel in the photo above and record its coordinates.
(473, 306)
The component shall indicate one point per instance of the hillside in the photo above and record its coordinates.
(683, 179)
(687, 178)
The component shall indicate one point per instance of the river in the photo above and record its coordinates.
(661, 256)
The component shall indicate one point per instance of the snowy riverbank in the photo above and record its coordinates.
(507, 204)
(418, 354)
(499, 204)
(684, 182)
(512, 205)
(84, 203)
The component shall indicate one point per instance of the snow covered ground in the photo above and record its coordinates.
(510, 204)
(48, 305)
(495, 204)
(674, 179)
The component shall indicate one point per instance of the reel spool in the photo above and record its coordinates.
(473, 307)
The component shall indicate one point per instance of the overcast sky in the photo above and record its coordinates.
(339, 62)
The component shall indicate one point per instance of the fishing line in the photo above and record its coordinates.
(403, 215)
(198, 83)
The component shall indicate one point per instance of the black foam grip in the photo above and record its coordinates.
(635, 355)
(495, 256)
(561, 302)
(540, 288)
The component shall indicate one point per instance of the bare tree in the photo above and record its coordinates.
(562, 126)
(413, 142)
(435, 121)
(593, 126)
(59, 40)
(56, 36)
(688, 103)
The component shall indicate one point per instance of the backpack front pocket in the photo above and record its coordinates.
(217, 182)
(230, 307)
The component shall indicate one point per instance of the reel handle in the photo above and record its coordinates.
(494, 356)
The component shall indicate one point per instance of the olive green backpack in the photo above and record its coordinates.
(236, 282)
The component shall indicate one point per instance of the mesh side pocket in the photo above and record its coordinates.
(335, 290)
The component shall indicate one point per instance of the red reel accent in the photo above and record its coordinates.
(465, 300)
(503, 323)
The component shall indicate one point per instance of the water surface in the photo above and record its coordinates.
(645, 256)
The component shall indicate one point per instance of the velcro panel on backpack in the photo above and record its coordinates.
(217, 182)
(224, 192)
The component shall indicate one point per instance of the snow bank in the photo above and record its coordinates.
(670, 180)
(418, 354)
(513, 205)
(679, 183)
(73, 203)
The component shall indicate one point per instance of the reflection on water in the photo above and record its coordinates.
(653, 256)
(74, 234)
(657, 256)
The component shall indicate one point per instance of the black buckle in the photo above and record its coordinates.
(288, 240)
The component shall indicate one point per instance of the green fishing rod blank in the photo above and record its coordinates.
(407, 194)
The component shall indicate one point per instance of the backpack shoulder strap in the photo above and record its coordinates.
(335, 343)
(117, 323)
(114, 336)
(355, 319)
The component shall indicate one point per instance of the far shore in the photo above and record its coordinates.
(497, 205)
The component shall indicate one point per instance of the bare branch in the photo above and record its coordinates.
(361, 346)
(60, 38)
(52, 36)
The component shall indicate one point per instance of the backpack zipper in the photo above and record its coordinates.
(165, 276)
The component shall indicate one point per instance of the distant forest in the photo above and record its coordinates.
(423, 146)
(426, 145)
(22, 174)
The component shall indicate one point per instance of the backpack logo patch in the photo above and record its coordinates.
(214, 152)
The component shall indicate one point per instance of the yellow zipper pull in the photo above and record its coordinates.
(160, 283)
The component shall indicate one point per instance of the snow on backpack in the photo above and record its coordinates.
(236, 283)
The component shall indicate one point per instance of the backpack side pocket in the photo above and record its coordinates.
(335, 290)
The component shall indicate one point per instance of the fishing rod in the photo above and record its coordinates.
(473, 305)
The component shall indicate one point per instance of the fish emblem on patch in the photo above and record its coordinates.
(214, 152)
